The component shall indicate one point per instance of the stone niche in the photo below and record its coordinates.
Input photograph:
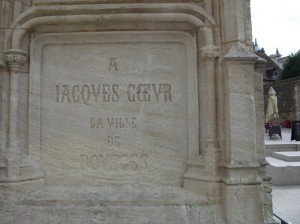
(126, 112)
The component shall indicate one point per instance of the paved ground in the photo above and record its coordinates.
(286, 203)
(286, 199)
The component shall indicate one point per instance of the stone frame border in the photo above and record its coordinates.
(207, 53)
(35, 107)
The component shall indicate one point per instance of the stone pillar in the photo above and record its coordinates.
(260, 146)
(208, 56)
(242, 187)
(15, 59)
(18, 165)
(202, 176)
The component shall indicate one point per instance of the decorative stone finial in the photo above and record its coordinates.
(15, 58)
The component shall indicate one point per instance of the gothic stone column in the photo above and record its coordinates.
(209, 55)
(260, 146)
(19, 166)
(202, 176)
(15, 59)
(242, 187)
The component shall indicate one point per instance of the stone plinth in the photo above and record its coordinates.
(287, 156)
(130, 112)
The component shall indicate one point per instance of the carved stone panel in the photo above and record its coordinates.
(114, 108)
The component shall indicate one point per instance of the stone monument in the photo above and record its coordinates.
(127, 111)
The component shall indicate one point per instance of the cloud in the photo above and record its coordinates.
(275, 24)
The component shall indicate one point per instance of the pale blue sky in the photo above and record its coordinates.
(276, 24)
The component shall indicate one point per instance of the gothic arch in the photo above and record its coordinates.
(53, 15)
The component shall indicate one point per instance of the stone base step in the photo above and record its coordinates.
(283, 172)
(270, 148)
(287, 156)
(109, 205)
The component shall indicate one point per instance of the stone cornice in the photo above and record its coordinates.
(260, 62)
(240, 53)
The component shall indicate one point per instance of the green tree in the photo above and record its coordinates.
(291, 67)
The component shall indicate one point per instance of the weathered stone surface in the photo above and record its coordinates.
(120, 115)
(130, 113)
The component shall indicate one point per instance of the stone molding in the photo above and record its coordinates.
(209, 53)
(259, 65)
(15, 59)
(160, 12)
(240, 54)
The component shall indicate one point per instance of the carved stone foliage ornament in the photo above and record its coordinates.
(15, 58)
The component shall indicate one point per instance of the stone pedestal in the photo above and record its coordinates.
(130, 112)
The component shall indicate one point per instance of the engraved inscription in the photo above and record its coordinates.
(113, 64)
(114, 161)
(110, 93)
(118, 122)
(116, 108)
(143, 92)
(87, 93)
(113, 93)
(113, 140)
